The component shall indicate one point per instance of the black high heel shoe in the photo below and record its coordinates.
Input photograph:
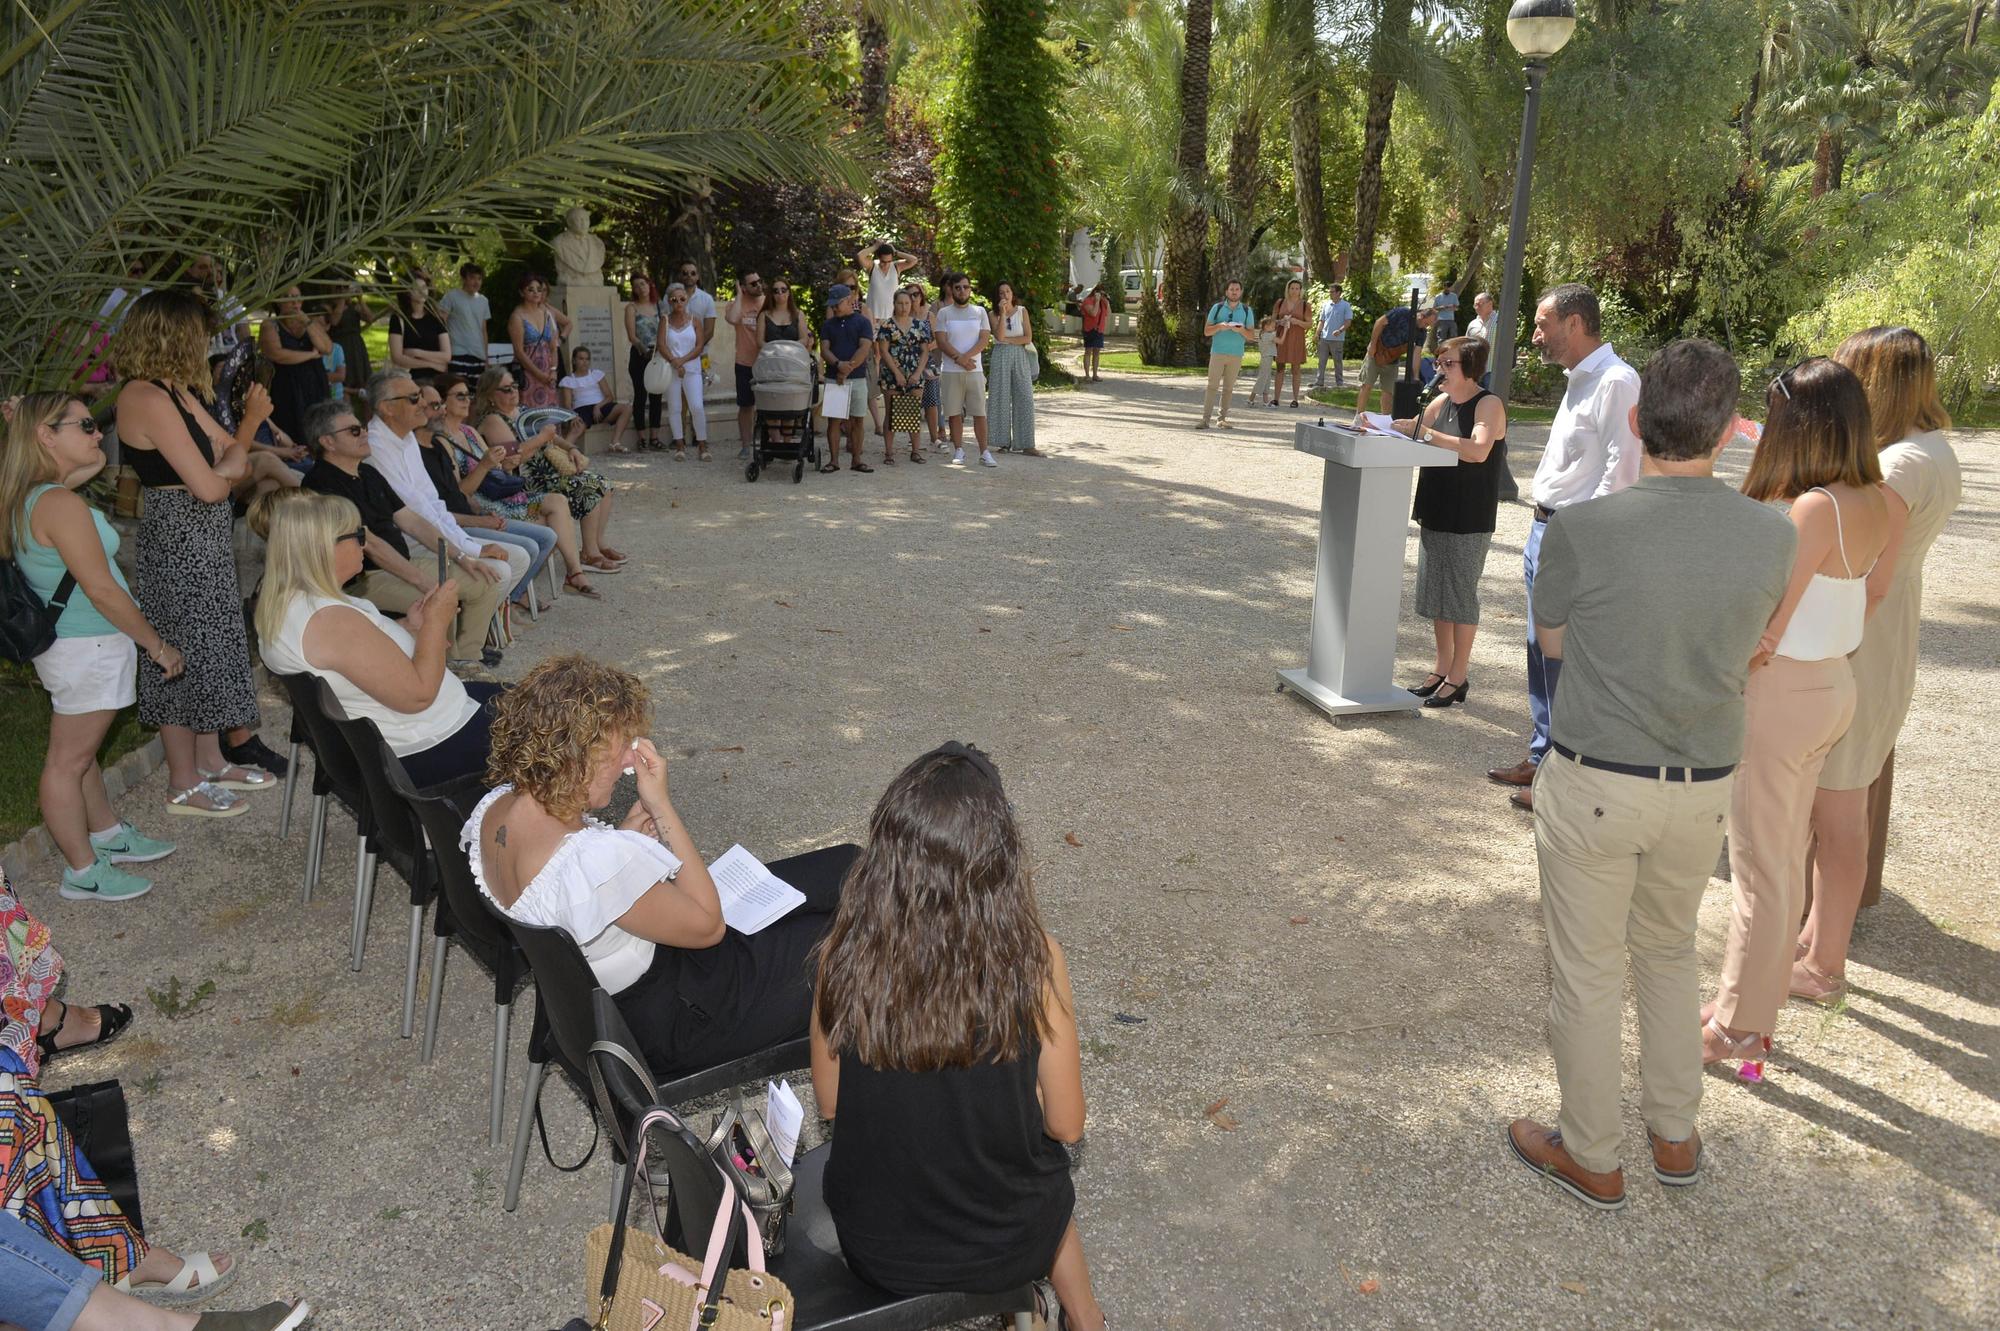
(1430, 685)
(1438, 698)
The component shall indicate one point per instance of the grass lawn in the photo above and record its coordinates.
(1128, 362)
(24, 717)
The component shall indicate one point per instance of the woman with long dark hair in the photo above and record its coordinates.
(537, 330)
(944, 1034)
(1921, 474)
(1818, 455)
(642, 330)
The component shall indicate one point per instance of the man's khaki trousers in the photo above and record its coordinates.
(478, 599)
(1624, 861)
(1222, 372)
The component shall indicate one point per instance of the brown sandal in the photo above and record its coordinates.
(1835, 986)
(915, 456)
(578, 585)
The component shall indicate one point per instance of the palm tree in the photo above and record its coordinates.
(1187, 228)
(1392, 28)
(290, 136)
(1122, 125)
(1294, 23)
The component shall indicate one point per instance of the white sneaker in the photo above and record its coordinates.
(957, 457)
(986, 459)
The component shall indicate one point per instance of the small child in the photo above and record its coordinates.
(1267, 359)
(583, 393)
(944, 1030)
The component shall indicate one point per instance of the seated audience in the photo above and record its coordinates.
(47, 1186)
(491, 479)
(551, 467)
(389, 673)
(636, 897)
(944, 1034)
(440, 461)
(388, 577)
(1818, 455)
(584, 393)
(91, 670)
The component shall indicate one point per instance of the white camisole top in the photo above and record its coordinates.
(1828, 620)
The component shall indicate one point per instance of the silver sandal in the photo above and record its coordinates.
(221, 804)
(253, 778)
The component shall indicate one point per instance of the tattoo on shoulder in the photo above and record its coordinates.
(500, 837)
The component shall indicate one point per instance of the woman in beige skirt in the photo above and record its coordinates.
(1921, 478)
(1818, 455)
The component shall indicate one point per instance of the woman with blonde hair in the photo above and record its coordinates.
(636, 897)
(1920, 474)
(393, 674)
(69, 555)
(1818, 455)
(186, 568)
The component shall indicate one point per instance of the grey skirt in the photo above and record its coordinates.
(1448, 568)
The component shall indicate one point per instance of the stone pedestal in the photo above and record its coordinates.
(597, 321)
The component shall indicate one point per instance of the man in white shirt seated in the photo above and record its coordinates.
(1591, 452)
(395, 453)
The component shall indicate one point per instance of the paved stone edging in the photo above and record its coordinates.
(120, 777)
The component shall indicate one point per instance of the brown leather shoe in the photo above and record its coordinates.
(1523, 800)
(1676, 1164)
(1520, 774)
(1540, 1148)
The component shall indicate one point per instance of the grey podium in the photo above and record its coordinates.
(1364, 523)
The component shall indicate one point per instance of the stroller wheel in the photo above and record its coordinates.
(798, 473)
(750, 472)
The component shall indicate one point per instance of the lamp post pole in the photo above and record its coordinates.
(1507, 317)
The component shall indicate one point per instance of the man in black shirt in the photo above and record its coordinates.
(390, 579)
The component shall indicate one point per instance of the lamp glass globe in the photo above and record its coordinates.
(1540, 28)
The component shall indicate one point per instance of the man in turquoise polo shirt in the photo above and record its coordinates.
(1228, 320)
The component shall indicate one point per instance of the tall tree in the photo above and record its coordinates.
(1392, 32)
(1187, 228)
(1294, 21)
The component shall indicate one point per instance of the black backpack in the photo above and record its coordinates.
(27, 623)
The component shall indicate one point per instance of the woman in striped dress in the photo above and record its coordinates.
(1010, 381)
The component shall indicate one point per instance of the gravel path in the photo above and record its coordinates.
(1329, 933)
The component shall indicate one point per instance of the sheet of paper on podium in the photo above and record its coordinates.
(1379, 423)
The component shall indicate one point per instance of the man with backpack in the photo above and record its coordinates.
(1228, 320)
(1388, 343)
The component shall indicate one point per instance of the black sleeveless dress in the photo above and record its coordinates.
(945, 1180)
(1456, 507)
(296, 388)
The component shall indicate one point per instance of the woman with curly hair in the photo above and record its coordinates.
(548, 466)
(636, 897)
(945, 1034)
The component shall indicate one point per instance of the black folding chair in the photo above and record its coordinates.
(829, 1296)
(394, 835)
(461, 917)
(336, 776)
(565, 1028)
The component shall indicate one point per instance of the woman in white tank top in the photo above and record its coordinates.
(681, 344)
(1818, 453)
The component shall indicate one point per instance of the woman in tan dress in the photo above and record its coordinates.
(1920, 477)
(1292, 318)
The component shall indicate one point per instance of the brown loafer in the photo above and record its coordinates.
(1676, 1164)
(1523, 800)
(1520, 774)
(1541, 1149)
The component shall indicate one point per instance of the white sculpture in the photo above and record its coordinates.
(579, 255)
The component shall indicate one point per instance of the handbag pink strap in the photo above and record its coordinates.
(714, 1269)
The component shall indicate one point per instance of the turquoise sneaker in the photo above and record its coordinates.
(128, 845)
(103, 882)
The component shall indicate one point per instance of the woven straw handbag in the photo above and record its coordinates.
(639, 1283)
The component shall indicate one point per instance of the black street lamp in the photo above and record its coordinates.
(1538, 29)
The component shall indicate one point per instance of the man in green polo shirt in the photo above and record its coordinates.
(1228, 320)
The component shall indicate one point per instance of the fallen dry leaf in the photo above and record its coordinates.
(1370, 1286)
(1072, 839)
(1216, 1108)
(986, 630)
(725, 776)
(1227, 1122)
(841, 631)
(1301, 919)
(1340, 838)
(1121, 628)
(734, 748)
(1573, 1286)
(786, 604)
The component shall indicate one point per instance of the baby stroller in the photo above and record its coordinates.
(782, 380)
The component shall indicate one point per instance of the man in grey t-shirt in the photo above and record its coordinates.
(1653, 598)
(466, 314)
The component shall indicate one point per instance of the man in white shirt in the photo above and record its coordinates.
(701, 305)
(393, 451)
(1483, 323)
(963, 332)
(1591, 452)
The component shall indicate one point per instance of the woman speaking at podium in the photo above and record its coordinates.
(1455, 510)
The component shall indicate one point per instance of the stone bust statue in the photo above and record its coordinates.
(579, 255)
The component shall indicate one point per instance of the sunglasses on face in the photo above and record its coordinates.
(359, 536)
(458, 395)
(400, 397)
(350, 431)
(84, 423)
(506, 388)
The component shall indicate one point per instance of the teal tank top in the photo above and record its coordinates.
(43, 567)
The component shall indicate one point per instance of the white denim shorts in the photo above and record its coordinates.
(95, 674)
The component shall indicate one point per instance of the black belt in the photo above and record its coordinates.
(1543, 514)
(1634, 769)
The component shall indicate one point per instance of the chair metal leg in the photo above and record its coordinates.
(291, 785)
(503, 1015)
(364, 896)
(534, 601)
(518, 1164)
(315, 847)
(410, 971)
(440, 945)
